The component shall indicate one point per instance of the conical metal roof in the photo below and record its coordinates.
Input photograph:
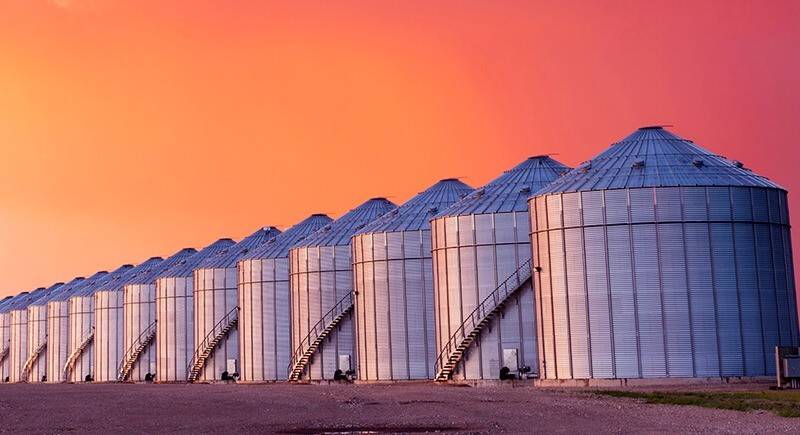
(45, 294)
(340, 231)
(416, 213)
(655, 157)
(185, 266)
(229, 256)
(510, 191)
(61, 290)
(22, 300)
(91, 284)
(142, 269)
(280, 245)
(149, 277)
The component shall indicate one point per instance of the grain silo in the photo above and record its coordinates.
(18, 350)
(485, 317)
(5, 333)
(175, 314)
(264, 320)
(108, 321)
(57, 349)
(35, 367)
(138, 363)
(394, 287)
(659, 259)
(216, 316)
(79, 366)
(321, 272)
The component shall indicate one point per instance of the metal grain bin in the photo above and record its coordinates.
(108, 322)
(80, 311)
(485, 318)
(57, 349)
(394, 287)
(216, 339)
(139, 314)
(18, 345)
(35, 367)
(659, 259)
(5, 333)
(175, 313)
(321, 272)
(264, 320)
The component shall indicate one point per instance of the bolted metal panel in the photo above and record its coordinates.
(476, 244)
(264, 314)
(216, 294)
(393, 275)
(139, 312)
(686, 273)
(19, 349)
(108, 320)
(321, 274)
(174, 305)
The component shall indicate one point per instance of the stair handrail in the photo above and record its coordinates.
(33, 358)
(338, 308)
(4, 352)
(144, 338)
(73, 357)
(511, 284)
(227, 319)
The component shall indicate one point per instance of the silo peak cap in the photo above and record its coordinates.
(654, 127)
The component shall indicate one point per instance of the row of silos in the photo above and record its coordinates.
(655, 259)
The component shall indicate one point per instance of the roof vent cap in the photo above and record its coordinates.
(738, 164)
(525, 190)
(698, 163)
(638, 164)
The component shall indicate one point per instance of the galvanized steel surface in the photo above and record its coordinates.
(476, 244)
(321, 274)
(175, 314)
(109, 319)
(668, 281)
(139, 312)
(264, 315)
(216, 294)
(58, 328)
(19, 345)
(394, 287)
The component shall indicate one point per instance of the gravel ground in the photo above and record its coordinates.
(307, 409)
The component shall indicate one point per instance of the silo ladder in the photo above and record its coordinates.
(73, 357)
(26, 369)
(135, 351)
(211, 340)
(482, 315)
(4, 352)
(302, 355)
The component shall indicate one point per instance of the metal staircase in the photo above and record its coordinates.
(211, 340)
(309, 345)
(135, 351)
(73, 357)
(26, 369)
(4, 352)
(482, 315)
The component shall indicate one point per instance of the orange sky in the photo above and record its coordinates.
(135, 128)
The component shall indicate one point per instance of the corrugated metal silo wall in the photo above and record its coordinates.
(37, 335)
(139, 307)
(472, 255)
(265, 323)
(57, 340)
(320, 277)
(81, 325)
(215, 294)
(18, 352)
(5, 343)
(108, 325)
(663, 282)
(175, 327)
(395, 312)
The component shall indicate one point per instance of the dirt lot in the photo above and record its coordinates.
(307, 409)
